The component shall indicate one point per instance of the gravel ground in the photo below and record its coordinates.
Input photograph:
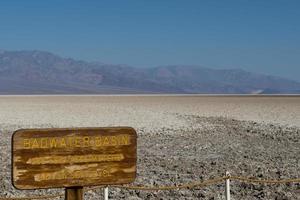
(176, 143)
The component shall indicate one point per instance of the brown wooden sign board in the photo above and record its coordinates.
(52, 158)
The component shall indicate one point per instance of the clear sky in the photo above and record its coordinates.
(255, 35)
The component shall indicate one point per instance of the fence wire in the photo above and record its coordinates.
(192, 185)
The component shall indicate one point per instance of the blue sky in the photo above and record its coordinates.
(256, 35)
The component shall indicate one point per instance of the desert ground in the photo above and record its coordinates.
(180, 139)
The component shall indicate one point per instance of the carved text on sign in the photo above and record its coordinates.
(75, 141)
(75, 159)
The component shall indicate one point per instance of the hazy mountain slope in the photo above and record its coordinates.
(30, 72)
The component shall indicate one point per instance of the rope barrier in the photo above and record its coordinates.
(170, 187)
(204, 183)
(264, 181)
(184, 186)
(32, 198)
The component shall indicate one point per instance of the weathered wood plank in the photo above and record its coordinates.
(48, 158)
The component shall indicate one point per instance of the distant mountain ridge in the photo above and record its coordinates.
(38, 72)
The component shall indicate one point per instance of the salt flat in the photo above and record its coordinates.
(150, 112)
(180, 139)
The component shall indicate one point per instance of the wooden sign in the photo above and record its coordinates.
(48, 158)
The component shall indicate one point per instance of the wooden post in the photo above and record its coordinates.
(74, 193)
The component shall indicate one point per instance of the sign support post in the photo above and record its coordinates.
(74, 193)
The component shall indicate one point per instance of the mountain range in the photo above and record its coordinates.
(39, 72)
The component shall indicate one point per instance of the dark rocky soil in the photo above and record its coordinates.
(206, 148)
